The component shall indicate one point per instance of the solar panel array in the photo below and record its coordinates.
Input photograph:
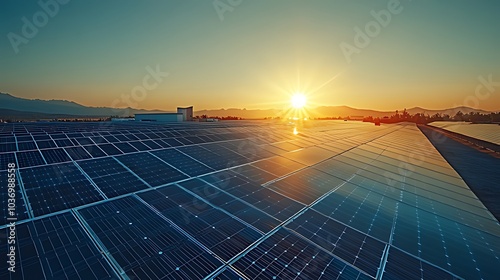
(240, 200)
(487, 132)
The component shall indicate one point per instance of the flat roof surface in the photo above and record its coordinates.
(240, 200)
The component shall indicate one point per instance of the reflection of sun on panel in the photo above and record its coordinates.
(299, 100)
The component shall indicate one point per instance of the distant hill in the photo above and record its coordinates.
(7, 114)
(65, 107)
(36, 108)
(451, 111)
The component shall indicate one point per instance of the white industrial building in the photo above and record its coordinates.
(183, 114)
(187, 112)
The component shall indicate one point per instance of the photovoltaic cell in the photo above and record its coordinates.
(145, 245)
(57, 187)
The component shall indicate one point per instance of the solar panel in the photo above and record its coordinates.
(183, 162)
(8, 147)
(254, 174)
(125, 147)
(162, 143)
(57, 187)
(306, 186)
(5, 159)
(111, 177)
(284, 255)
(279, 166)
(64, 248)
(270, 202)
(94, 150)
(151, 144)
(145, 245)
(233, 205)
(403, 266)
(29, 158)
(98, 139)
(55, 155)
(172, 142)
(138, 145)
(77, 153)
(149, 168)
(7, 139)
(64, 143)
(84, 141)
(45, 144)
(219, 232)
(355, 248)
(206, 157)
(41, 137)
(231, 157)
(109, 149)
(26, 146)
(111, 139)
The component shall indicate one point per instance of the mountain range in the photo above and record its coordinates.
(13, 107)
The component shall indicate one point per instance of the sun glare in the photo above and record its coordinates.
(299, 100)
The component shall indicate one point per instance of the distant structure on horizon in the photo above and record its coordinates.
(187, 113)
(183, 114)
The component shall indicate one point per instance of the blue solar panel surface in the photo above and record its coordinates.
(239, 200)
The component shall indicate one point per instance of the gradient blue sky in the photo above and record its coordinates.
(93, 52)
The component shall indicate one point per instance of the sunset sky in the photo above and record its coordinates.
(253, 55)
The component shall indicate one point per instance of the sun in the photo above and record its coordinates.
(299, 100)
